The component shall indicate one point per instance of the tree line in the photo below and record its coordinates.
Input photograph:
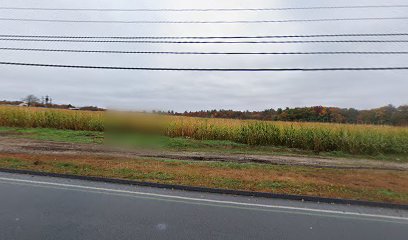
(387, 115)
(46, 102)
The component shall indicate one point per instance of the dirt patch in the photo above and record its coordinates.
(30, 146)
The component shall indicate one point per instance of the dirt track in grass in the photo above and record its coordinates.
(27, 146)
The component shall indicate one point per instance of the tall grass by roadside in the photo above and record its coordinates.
(318, 137)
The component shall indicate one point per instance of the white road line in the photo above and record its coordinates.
(207, 200)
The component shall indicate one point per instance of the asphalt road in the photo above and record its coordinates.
(52, 208)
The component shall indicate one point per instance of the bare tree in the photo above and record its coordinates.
(31, 100)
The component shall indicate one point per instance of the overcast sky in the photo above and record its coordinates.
(141, 90)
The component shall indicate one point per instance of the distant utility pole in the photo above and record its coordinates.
(47, 100)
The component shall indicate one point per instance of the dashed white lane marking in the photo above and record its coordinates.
(299, 209)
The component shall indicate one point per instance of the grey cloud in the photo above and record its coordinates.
(194, 91)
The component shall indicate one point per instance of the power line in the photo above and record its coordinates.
(211, 37)
(206, 69)
(203, 22)
(202, 9)
(207, 53)
(202, 42)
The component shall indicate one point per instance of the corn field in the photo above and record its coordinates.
(50, 118)
(318, 137)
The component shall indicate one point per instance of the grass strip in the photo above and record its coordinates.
(369, 185)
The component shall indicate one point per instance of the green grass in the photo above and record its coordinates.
(139, 175)
(55, 135)
(14, 162)
(273, 184)
(388, 193)
(223, 182)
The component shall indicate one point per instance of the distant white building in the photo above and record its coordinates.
(23, 104)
